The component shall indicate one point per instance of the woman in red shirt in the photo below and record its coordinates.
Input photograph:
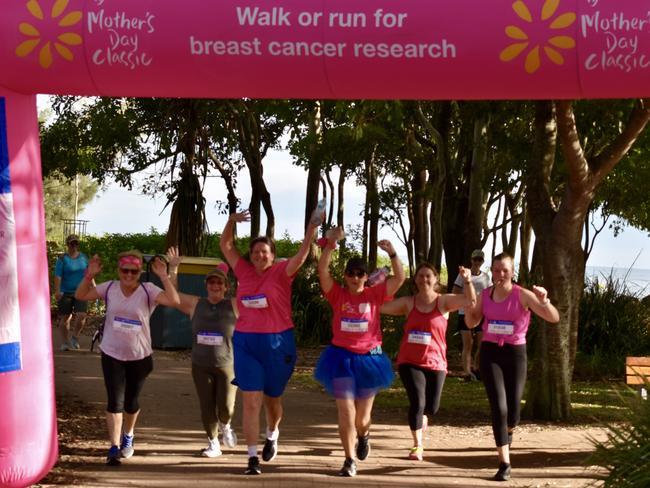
(354, 368)
(422, 358)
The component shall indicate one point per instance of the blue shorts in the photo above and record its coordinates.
(264, 362)
(348, 375)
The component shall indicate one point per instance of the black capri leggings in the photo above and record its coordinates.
(503, 371)
(423, 388)
(124, 381)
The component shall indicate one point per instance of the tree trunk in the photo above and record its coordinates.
(373, 200)
(559, 238)
(476, 199)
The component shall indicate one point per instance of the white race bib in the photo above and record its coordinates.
(419, 337)
(254, 301)
(501, 327)
(209, 338)
(354, 325)
(130, 326)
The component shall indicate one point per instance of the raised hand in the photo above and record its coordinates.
(541, 294)
(386, 246)
(465, 273)
(159, 267)
(173, 257)
(335, 234)
(94, 266)
(238, 217)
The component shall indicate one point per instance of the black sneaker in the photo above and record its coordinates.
(504, 472)
(253, 466)
(270, 450)
(363, 447)
(349, 468)
(477, 374)
(113, 458)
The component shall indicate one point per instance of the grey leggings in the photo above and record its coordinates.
(216, 396)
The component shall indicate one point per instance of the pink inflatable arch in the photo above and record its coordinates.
(381, 49)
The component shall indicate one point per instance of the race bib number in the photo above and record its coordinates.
(209, 338)
(501, 327)
(364, 308)
(419, 337)
(354, 325)
(130, 326)
(254, 301)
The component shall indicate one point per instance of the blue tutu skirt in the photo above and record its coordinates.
(348, 375)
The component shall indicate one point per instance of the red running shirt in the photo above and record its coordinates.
(424, 343)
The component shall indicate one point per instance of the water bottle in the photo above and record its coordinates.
(318, 214)
(378, 276)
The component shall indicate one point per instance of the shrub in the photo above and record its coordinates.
(613, 324)
(626, 452)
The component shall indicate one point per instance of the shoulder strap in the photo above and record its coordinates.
(146, 293)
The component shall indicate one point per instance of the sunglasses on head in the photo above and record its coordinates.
(129, 271)
(358, 273)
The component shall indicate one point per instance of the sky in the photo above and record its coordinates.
(286, 184)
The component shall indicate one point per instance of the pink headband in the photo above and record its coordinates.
(130, 260)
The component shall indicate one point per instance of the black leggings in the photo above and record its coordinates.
(423, 388)
(503, 371)
(124, 381)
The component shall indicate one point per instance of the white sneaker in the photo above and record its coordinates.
(213, 449)
(228, 436)
(64, 346)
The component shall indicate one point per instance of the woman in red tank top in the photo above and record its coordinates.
(422, 358)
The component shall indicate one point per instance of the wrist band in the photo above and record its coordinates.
(324, 241)
(88, 276)
(391, 256)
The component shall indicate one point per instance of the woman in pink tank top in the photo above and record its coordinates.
(422, 358)
(505, 308)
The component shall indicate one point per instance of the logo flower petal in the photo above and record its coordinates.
(553, 55)
(564, 42)
(64, 51)
(564, 20)
(549, 8)
(45, 56)
(58, 8)
(522, 11)
(35, 9)
(70, 38)
(512, 51)
(28, 29)
(514, 32)
(71, 19)
(532, 60)
(26, 47)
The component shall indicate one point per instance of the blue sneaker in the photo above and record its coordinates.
(113, 458)
(126, 447)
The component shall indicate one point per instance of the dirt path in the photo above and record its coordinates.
(169, 435)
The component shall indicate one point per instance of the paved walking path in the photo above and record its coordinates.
(169, 436)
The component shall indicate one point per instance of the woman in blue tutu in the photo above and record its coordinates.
(354, 368)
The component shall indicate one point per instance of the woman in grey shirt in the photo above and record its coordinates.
(213, 323)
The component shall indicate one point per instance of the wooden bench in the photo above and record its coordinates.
(637, 373)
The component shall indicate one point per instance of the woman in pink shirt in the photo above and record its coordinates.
(354, 368)
(505, 308)
(126, 342)
(422, 358)
(263, 343)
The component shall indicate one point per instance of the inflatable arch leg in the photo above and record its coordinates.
(28, 445)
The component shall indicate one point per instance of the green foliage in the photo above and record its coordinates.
(626, 452)
(613, 324)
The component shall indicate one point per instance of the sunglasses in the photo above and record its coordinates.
(356, 273)
(478, 259)
(129, 271)
(73, 243)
